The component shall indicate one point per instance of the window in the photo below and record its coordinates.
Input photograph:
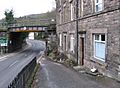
(98, 5)
(72, 11)
(65, 42)
(60, 17)
(81, 6)
(99, 46)
(64, 5)
(64, 11)
(60, 42)
(72, 42)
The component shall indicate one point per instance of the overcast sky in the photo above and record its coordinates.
(25, 7)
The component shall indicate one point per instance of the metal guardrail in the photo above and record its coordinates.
(24, 76)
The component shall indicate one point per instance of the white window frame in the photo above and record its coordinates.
(98, 3)
(65, 3)
(72, 42)
(81, 6)
(99, 41)
(71, 11)
(70, 0)
(64, 11)
(60, 42)
(60, 17)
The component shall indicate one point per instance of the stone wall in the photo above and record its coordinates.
(106, 21)
(63, 29)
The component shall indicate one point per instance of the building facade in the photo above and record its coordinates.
(89, 33)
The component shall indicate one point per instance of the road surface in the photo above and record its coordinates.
(12, 64)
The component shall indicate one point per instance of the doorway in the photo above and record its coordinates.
(82, 50)
(65, 42)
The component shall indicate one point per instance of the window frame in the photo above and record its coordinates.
(81, 8)
(64, 11)
(99, 41)
(65, 41)
(72, 42)
(71, 11)
(98, 4)
(60, 41)
(60, 18)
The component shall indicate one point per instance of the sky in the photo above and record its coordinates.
(26, 7)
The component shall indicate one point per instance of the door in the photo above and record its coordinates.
(65, 42)
(82, 51)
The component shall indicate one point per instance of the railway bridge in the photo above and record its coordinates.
(13, 35)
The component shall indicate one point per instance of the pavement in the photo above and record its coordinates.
(55, 75)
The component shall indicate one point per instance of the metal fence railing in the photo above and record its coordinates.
(22, 78)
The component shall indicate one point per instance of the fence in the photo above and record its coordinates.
(22, 78)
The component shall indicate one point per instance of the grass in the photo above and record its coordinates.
(31, 80)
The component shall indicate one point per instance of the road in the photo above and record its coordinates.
(12, 64)
(55, 75)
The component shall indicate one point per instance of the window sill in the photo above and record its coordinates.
(100, 62)
(97, 13)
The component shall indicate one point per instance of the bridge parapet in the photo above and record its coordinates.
(28, 29)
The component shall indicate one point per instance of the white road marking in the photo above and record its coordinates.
(6, 56)
(13, 63)
(3, 59)
(12, 54)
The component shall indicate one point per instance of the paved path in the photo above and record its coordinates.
(54, 75)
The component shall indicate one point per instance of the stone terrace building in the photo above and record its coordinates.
(89, 33)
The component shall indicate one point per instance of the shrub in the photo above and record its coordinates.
(70, 62)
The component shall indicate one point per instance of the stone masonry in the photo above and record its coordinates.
(90, 22)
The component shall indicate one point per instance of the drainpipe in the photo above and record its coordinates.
(77, 31)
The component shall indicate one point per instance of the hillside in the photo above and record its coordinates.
(34, 19)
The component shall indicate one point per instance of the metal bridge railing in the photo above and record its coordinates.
(24, 76)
